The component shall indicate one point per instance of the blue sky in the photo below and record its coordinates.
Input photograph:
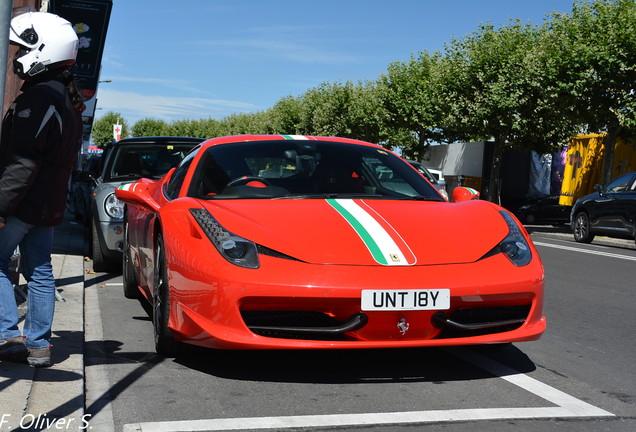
(198, 59)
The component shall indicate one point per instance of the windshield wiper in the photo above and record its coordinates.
(422, 198)
(331, 196)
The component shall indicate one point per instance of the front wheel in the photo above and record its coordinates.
(131, 290)
(581, 228)
(165, 344)
(99, 260)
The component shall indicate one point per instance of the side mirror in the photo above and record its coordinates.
(137, 193)
(461, 193)
(598, 188)
(86, 176)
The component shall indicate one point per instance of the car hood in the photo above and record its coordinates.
(366, 232)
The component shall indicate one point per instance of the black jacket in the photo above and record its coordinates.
(41, 137)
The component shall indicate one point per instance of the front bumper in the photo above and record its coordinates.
(293, 305)
(112, 235)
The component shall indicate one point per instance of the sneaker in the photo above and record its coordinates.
(13, 349)
(39, 357)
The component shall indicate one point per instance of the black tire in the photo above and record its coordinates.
(581, 228)
(165, 344)
(99, 260)
(131, 289)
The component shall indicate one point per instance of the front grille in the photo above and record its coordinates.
(490, 314)
(480, 321)
(306, 325)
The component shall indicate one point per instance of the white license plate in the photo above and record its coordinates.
(392, 300)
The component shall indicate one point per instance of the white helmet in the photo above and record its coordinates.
(46, 42)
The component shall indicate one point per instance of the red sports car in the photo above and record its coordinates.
(286, 241)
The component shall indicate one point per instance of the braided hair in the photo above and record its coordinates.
(73, 91)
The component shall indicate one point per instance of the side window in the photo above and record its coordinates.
(387, 177)
(174, 186)
(619, 184)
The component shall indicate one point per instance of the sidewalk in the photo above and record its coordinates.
(52, 398)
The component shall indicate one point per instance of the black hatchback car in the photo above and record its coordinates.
(610, 211)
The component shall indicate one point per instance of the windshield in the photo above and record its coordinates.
(131, 162)
(305, 169)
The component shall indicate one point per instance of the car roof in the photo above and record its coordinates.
(245, 138)
(159, 140)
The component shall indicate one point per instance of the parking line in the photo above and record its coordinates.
(576, 407)
(567, 406)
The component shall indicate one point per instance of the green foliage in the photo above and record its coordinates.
(594, 50)
(413, 103)
(150, 127)
(102, 132)
(285, 116)
(597, 45)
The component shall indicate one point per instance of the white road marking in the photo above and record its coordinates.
(567, 406)
(587, 251)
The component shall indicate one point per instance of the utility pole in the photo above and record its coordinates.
(5, 23)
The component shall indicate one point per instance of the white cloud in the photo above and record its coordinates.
(282, 50)
(181, 85)
(135, 106)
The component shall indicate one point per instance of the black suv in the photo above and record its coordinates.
(610, 211)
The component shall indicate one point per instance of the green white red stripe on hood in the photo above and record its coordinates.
(127, 187)
(383, 242)
(295, 137)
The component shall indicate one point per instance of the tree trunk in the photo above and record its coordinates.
(609, 143)
(494, 192)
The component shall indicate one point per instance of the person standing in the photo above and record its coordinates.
(41, 137)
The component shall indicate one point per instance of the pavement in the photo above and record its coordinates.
(37, 399)
(54, 398)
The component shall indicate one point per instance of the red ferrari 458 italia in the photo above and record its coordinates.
(295, 242)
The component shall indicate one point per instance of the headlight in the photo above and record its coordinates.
(113, 207)
(514, 246)
(235, 249)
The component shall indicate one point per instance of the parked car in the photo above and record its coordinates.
(439, 176)
(284, 242)
(610, 211)
(124, 162)
(434, 176)
(544, 210)
(82, 189)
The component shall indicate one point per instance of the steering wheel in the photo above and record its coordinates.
(247, 179)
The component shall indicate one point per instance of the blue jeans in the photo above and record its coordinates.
(36, 245)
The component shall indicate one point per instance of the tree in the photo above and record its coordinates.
(498, 87)
(285, 116)
(352, 110)
(367, 117)
(596, 48)
(413, 103)
(150, 127)
(102, 131)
